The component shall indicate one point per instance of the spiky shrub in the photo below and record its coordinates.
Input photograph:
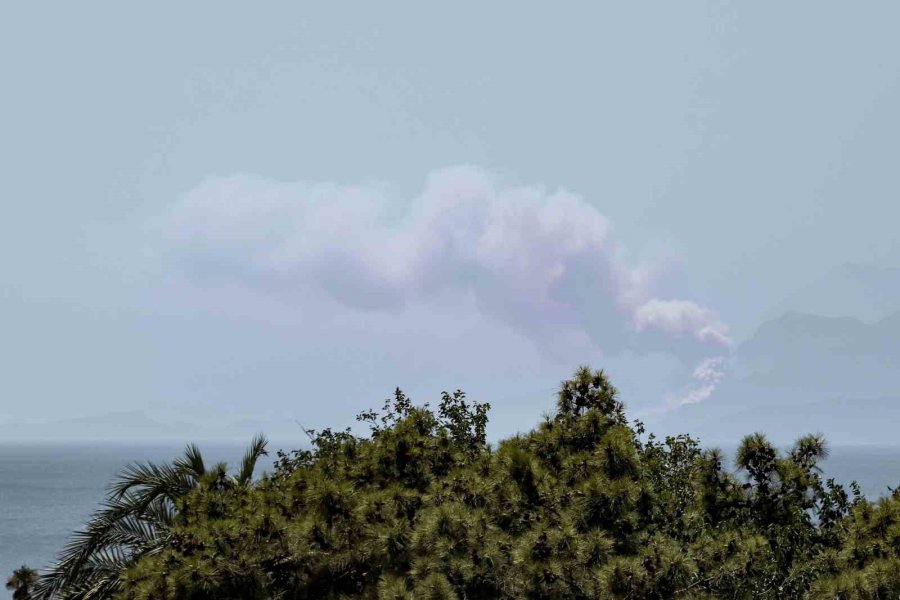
(582, 507)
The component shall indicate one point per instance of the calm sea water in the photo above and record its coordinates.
(49, 490)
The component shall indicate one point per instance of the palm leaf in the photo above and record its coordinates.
(248, 464)
(134, 521)
(192, 461)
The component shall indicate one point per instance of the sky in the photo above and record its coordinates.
(262, 213)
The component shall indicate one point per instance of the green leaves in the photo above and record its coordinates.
(589, 390)
(581, 507)
(466, 425)
(21, 582)
(135, 521)
(256, 450)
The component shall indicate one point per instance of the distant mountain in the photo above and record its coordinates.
(823, 357)
(136, 425)
(805, 373)
(842, 421)
(865, 291)
(123, 425)
(129, 419)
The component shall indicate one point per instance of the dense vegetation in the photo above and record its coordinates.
(21, 582)
(584, 506)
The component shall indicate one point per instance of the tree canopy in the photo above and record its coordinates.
(583, 506)
(21, 582)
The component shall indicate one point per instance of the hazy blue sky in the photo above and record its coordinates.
(221, 210)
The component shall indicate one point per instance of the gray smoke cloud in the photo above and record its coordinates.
(707, 375)
(545, 263)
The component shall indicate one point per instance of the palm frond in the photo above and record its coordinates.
(122, 529)
(153, 480)
(248, 464)
(192, 461)
(134, 521)
(100, 576)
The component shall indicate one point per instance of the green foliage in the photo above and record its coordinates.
(139, 518)
(22, 582)
(581, 507)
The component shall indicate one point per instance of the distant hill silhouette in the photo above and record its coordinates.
(803, 372)
(136, 425)
(824, 357)
(121, 425)
(866, 291)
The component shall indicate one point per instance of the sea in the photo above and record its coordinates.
(48, 490)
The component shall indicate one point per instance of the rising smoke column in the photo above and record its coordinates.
(545, 263)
